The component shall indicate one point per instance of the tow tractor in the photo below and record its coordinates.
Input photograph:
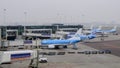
(42, 59)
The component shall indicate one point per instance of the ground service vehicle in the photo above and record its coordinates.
(11, 56)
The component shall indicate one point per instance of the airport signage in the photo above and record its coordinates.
(28, 42)
(19, 57)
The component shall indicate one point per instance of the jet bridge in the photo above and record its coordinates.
(68, 29)
(37, 33)
(11, 34)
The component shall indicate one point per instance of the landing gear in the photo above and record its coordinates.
(65, 46)
(57, 47)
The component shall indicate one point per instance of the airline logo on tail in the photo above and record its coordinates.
(77, 34)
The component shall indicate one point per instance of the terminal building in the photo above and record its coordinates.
(33, 32)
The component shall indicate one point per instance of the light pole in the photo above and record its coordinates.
(24, 33)
(4, 21)
(37, 58)
(83, 17)
(0, 38)
(4, 17)
(71, 20)
(25, 13)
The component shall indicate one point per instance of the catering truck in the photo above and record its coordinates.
(11, 56)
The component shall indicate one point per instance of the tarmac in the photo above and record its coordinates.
(109, 43)
(75, 60)
(82, 60)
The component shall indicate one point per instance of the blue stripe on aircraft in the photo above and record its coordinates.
(59, 41)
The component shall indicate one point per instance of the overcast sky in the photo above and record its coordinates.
(35, 12)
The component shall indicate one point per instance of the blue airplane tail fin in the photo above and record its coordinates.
(99, 28)
(77, 34)
(91, 27)
(114, 29)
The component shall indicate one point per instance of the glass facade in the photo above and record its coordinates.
(20, 28)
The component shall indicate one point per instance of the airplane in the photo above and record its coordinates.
(56, 43)
(96, 30)
(78, 37)
(88, 37)
(113, 31)
(92, 29)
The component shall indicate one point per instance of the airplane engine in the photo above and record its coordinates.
(51, 46)
(91, 37)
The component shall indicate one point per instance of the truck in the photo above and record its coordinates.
(20, 55)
